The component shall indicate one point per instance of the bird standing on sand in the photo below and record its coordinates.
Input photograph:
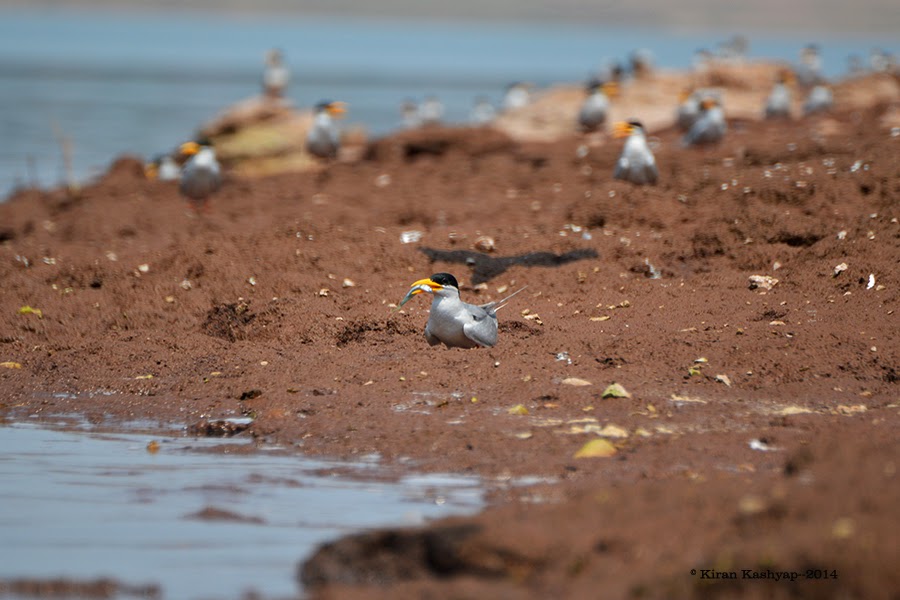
(518, 95)
(594, 108)
(201, 175)
(709, 127)
(636, 163)
(778, 104)
(275, 76)
(324, 139)
(455, 323)
(818, 100)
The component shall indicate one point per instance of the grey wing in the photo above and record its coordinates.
(622, 170)
(483, 328)
(650, 174)
(640, 174)
(322, 143)
(199, 183)
(432, 340)
(697, 133)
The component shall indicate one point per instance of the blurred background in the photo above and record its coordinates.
(94, 80)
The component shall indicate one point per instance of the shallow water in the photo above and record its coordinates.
(88, 505)
(117, 82)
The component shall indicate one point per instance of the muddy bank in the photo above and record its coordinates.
(277, 305)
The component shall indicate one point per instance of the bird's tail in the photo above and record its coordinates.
(501, 303)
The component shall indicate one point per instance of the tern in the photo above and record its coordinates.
(201, 175)
(594, 108)
(636, 163)
(455, 323)
(778, 104)
(324, 139)
(710, 125)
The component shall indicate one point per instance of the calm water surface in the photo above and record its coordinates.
(122, 82)
(85, 505)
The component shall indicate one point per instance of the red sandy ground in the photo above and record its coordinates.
(249, 300)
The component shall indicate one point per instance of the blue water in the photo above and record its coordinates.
(141, 83)
(88, 506)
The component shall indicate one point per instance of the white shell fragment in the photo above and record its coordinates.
(762, 281)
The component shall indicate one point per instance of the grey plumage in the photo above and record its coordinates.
(688, 110)
(275, 76)
(323, 139)
(819, 100)
(778, 104)
(455, 323)
(167, 169)
(431, 111)
(483, 112)
(201, 175)
(636, 163)
(710, 126)
(593, 110)
(517, 95)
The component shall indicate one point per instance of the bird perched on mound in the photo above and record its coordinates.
(819, 100)
(778, 104)
(162, 168)
(594, 108)
(324, 139)
(201, 175)
(275, 76)
(636, 163)
(710, 125)
(688, 109)
(455, 323)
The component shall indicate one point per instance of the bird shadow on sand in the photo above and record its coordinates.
(485, 267)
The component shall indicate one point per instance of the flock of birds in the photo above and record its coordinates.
(700, 115)
(452, 322)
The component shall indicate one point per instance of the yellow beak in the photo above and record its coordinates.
(622, 129)
(189, 148)
(337, 109)
(428, 282)
(611, 89)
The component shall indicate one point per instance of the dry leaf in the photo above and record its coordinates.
(793, 410)
(615, 390)
(613, 431)
(518, 409)
(27, 310)
(575, 381)
(11, 365)
(598, 448)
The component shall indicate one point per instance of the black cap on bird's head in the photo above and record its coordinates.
(334, 108)
(445, 279)
(626, 128)
(433, 284)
